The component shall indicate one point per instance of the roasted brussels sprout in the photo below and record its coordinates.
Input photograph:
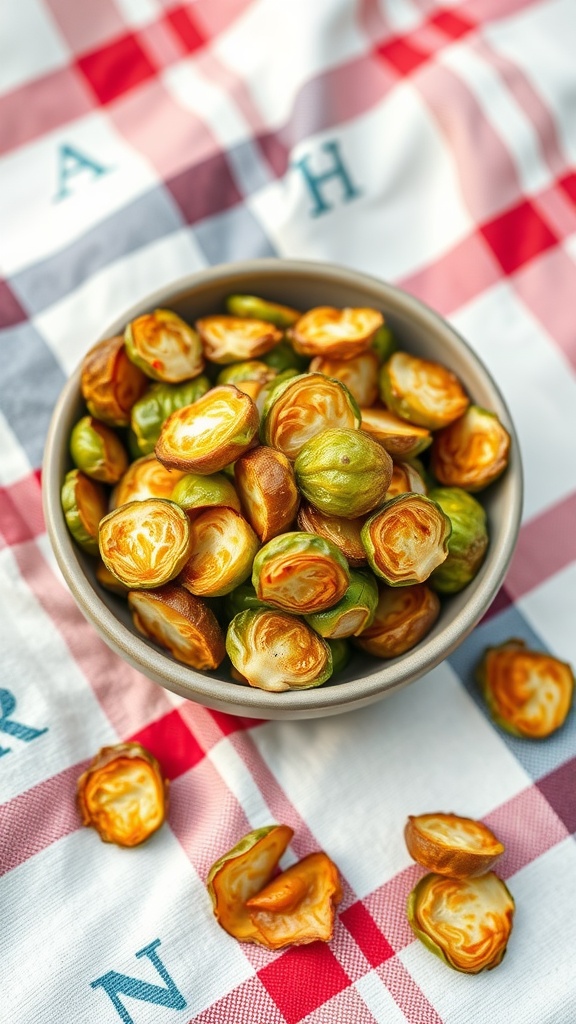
(472, 452)
(208, 435)
(262, 309)
(230, 339)
(152, 410)
(353, 613)
(223, 545)
(359, 374)
(466, 922)
(303, 406)
(401, 439)
(144, 478)
(344, 333)
(300, 572)
(451, 845)
(275, 651)
(404, 616)
(195, 491)
(110, 382)
(406, 539)
(299, 905)
(343, 472)
(405, 477)
(84, 504)
(123, 794)
(145, 543)
(241, 873)
(528, 693)
(97, 450)
(467, 543)
(267, 489)
(344, 533)
(181, 623)
(421, 391)
(164, 346)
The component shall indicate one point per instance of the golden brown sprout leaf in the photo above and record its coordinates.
(123, 794)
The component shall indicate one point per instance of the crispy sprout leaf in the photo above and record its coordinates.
(222, 549)
(230, 339)
(343, 472)
(300, 572)
(84, 505)
(404, 616)
(406, 539)
(164, 346)
(422, 392)
(145, 543)
(299, 905)
(452, 845)
(267, 489)
(301, 407)
(466, 922)
(275, 651)
(241, 873)
(110, 382)
(181, 623)
(326, 331)
(123, 794)
(472, 452)
(529, 693)
(210, 434)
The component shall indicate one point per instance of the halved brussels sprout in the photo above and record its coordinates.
(341, 654)
(359, 374)
(404, 616)
(241, 873)
(466, 922)
(223, 545)
(275, 651)
(528, 693)
(406, 539)
(300, 573)
(467, 543)
(97, 450)
(110, 382)
(451, 845)
(84, 504)
(123, 794)
(181, 623)
(343, 472)
(326, 331)
(344, 533)
(302, 407)
(384, 343)
(405, 477)
(401, 439)
(160, 400)
(422, 392)
(230, 339)
(353, 613)
(472, 452)
(267, 489)
(145, 543)
(164, 346)
(299, 905)
(144, 478)
(208, 435)
(108, 581)
(262, 309)
(194, 491)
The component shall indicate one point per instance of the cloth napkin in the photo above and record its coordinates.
(432, 145)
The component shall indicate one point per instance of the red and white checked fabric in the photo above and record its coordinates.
(431, 144)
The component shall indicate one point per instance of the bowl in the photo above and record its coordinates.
(302, 284)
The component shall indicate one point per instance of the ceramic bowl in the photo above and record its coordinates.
(423, 332)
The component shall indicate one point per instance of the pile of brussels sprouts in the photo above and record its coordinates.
(278, 486)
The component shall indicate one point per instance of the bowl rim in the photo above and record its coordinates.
(232, 697)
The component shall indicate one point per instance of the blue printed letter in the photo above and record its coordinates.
(336, 171)
(72, 161)
(115, 984)
(9, 726)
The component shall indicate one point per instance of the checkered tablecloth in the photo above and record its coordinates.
(430, 144)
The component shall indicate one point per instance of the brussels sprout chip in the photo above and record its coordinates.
(472, 452)
(299, 905)
(223, 545)
(208, 435)
(302, 407)
(421, 391)
(343, 472)
(275, 651)
(404, 616)
(451, 845)
(110, 382)
(145, 543)
(164, 346)
(528, 693)
(344, 333)
(181, 623)
(123, 794)
(300, 573)
(230, 339)
(466, 922)
(267, 488)
(84, 506)
(406, 539)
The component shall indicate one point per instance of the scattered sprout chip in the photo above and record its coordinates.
(452, 845)
(123, 794)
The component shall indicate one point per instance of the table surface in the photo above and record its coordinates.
(433, 146)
